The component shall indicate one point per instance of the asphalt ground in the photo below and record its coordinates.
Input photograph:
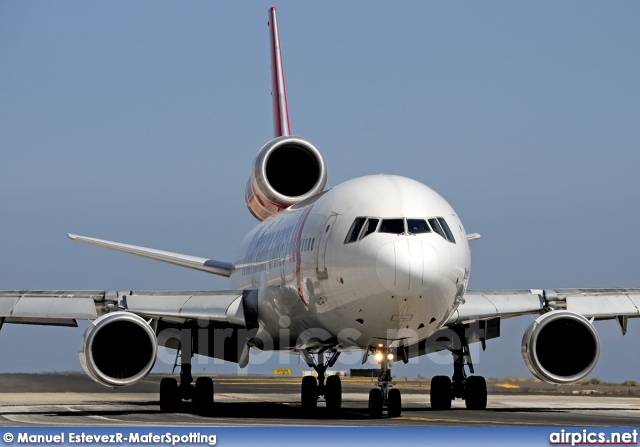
(75, 400)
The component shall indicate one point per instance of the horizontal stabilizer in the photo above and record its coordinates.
(206, 265)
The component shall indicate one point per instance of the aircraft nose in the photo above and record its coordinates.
(407, 267)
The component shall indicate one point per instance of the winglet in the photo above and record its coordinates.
(278, 89)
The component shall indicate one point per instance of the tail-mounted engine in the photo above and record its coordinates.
(119, 349)
(286, 171)
(561, 347)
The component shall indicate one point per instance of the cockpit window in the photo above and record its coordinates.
(395, 226)
(364, 226)
(369, 227)
(353, 233)
(436, 227)
(447, 230)
(417, 226)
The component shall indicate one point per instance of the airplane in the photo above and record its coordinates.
(379, 264)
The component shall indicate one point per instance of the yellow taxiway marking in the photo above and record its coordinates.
(510, 386)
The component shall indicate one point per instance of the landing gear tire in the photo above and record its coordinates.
(333, 393)
(203, 395)
(169, 397)
(440, 393)
(475, 390)
(394, 404)
(375, 403)
(309, 393)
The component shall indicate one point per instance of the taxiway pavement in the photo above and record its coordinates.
(74, 400)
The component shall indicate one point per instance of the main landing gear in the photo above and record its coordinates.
(473, 389)
(172, 394)
(384, 395)
(312, 388)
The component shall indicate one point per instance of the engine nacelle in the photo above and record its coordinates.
(286, 171)
(561, 347)
(118, 349)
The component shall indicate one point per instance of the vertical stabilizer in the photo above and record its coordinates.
(278, 89)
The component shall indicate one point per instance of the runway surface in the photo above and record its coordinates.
(60, 400)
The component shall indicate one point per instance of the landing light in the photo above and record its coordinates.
(378, 356)
(390, 356)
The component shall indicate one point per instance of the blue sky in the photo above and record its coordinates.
(138, 122)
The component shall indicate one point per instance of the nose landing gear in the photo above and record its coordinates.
(385, 395)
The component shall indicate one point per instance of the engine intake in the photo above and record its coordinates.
(119, 349)
(561, 347)
(286, 171)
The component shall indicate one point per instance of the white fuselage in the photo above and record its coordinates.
(318, 289)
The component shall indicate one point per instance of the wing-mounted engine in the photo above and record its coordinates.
(286, 171)
(119, 349)
(561, 347)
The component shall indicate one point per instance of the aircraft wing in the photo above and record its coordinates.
(478, 316)
(222, 306)
(64, 307)
(49, 307)
(600, 304)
